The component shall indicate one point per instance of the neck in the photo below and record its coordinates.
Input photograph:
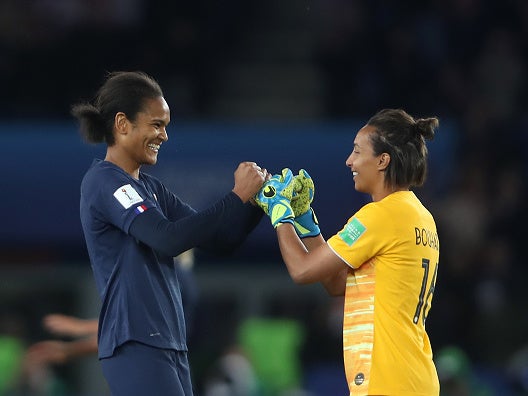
(379, 195)
(130, 167)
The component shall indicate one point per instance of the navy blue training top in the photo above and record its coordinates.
(133, 229)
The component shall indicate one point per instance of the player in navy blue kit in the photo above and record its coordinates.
(134, 226)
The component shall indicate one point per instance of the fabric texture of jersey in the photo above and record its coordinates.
(138, 285)
(392, 248)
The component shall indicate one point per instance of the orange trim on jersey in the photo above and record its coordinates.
(358, 327)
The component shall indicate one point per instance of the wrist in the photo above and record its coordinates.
(241, 196)
(307, 225)
(281, 212)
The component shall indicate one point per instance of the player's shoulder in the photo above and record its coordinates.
(152, 181)
(372, 209)
(380, 213)
(149, 177)
(103, 175)
(397, 202)
(101, 170)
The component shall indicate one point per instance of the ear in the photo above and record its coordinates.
(383, 161)
(121, 123)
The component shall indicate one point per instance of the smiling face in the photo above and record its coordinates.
(138, 141)
(367, 168)
(148, 131)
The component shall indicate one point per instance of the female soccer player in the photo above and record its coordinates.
(384, 260)
(134, 226)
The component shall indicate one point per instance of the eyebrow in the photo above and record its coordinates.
(160, 121)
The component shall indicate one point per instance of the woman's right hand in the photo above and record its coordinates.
(249, 178)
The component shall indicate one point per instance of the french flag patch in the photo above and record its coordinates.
(141, 209)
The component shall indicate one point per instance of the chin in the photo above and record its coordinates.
(358, 188)
(151, 161)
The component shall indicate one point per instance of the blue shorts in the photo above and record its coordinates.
(139, 369)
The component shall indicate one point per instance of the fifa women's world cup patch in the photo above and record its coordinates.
(352, 232)
(127, 196)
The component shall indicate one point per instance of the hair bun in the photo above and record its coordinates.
(426, 127)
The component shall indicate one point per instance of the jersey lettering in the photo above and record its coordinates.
(426, 238)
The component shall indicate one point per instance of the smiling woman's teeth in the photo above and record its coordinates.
(154, 147)
(354, 173)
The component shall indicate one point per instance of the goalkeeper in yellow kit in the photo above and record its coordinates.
(384, 260)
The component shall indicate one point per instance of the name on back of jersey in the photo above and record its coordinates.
(426, 237)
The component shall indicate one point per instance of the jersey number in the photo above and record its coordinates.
(424, 300)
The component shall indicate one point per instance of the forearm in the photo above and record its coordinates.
(70, 325)
(60, 352)
(311, 243)
(197, 230)
(311, 260)
(81, 347)
(236, 226)
(294, 254)
(335, 285)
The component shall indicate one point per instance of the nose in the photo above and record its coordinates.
(164, 135)
(349, 161)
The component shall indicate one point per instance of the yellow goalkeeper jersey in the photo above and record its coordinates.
(392, 248)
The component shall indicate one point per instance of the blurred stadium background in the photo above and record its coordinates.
(283, 83)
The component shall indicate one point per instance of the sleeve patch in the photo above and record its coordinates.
(140, 209)
(127, 196)
(352, 232)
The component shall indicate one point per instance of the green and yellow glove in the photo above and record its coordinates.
(274, 198)
(305, 222)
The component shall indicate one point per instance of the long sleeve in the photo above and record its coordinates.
(220, 228)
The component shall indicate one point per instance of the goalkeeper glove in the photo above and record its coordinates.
(305, 223)
(274, 198)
